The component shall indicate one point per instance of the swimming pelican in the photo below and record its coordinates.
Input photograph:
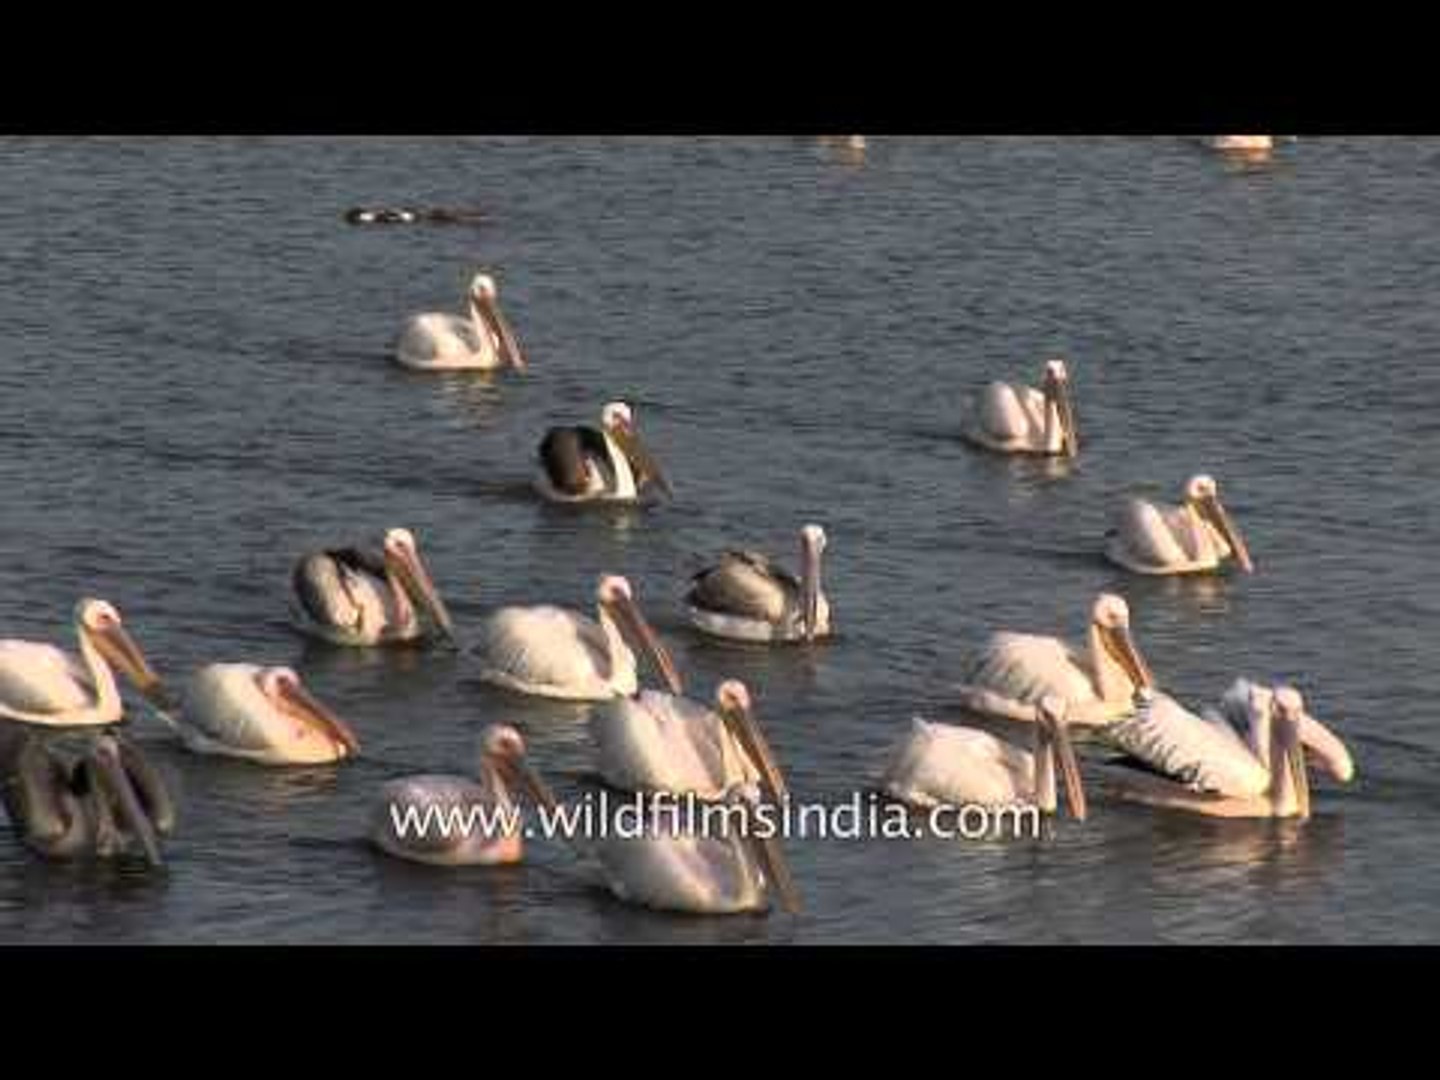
(98, 799)
(41, 684)
(441, 820)
(556, 653)
(746, 597)
(351, 596)
(261, 714)
(1014, 671)
(1225, 752)
(663, 742)
(481, 342)
(1195, 537)
(1276, 742)
(961, 766)
(608, 464)
(1258, 145)
(1016, 419)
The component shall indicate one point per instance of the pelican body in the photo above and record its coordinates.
(557, 653)
(352, 596)
(610, 463)
(42, 684)
(1256, 145)
(260, 714)
(1226, 752)
(438, 819)
(1196, 537)
(97, 799)
(958, 766)
(658, 742)
(1275, 741)
(1097, 685)
(1013, 419)
(746, 597)
(480, 341)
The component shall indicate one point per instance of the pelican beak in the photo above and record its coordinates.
(810, 589)
(634, 625)
(1299, 774)
(634, 448)
(1214, 510)
(303, 705)
(1122, 647)
(416, 577)
(1069, 769)
(778, 879)
(115, 782)
(740, 722)
(119, 649)
(523, 774)
(510, 353)
(1326, 748)
(1065, 404)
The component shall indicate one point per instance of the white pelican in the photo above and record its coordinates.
(606, 464)
(261, 714)
(960, 766)
(1255, 145)
(1014, 671)
(458, 821)
(1276, 743)
(351, 596)
(670, 869)
(1016, 419)
(746, 597)
(481, 342)
(662, 742)
(98, 799)
(556, 653)
(1195, 537)
(1226, 752)
(41, 684)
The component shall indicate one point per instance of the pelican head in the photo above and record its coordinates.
(502, 749)
(287, 695)
(1289, 720)
(732, 702)
(485, 298)
(100, 623)
(1202, 493)
(1056, 387)
(1055, 731)
(617, 601)
(1110, 618)
(813, 542)
(402, 558)
(618, 420)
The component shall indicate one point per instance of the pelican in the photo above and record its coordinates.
(1276, 741)
(261, 714)
(481, 342)
(608, 464)
(658, 742)
(457, 821)
(960, 766)
(351, 596)
(1258, 145)
(556, 653)
(1195, 537)
(98, 799)
(746, 597)
(1225, 752)
(41, 684)
(1022, 420)
(1014, 671)
(670, 869)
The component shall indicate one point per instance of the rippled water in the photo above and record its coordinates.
(194, 388)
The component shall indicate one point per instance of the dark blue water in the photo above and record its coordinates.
(194, 389)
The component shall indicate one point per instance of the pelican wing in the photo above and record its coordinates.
(1026, 667)
(943, 763)
(38, 678)
(435, 815)
(567, 454)
(660, 742)
(682, 873)
(342, 588)
(1202, 755)
(544, 646)
(1011, 414)
(746, 584)
(1152, 536)
(435, 337)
